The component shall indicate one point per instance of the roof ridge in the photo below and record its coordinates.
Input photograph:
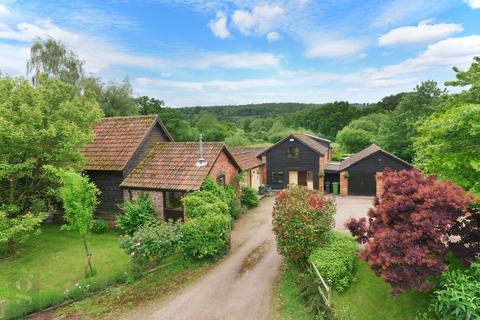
(131, 117)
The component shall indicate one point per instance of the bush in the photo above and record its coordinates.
(99, 226)
(136, 214)
(207, 236)
(152, 242)
(336, 260)
(249, 198)
(301, 220)
(18, 230)
(200, 203)
(459, 294)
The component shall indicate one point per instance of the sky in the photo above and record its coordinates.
(189, 52)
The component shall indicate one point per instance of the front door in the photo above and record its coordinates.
(302, 178)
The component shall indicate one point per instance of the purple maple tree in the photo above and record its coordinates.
(407, 234)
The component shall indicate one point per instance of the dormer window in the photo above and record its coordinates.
(293, 153)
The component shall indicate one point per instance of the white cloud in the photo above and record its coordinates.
(443, 54)
(260, 20)
(333, 48)
(4, 10)
(219, 26)
(13, 59)
(236, 61)
(212, 84)
(474, 4)
(424, 32)
(273, 36)
(398, 11)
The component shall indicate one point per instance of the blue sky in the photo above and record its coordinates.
(190, 52)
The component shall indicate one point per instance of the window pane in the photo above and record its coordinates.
(293, 152)
(277, 177)
(173, 200)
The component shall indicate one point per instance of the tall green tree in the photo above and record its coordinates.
(361, 132)
(400, 129)
(449, 146)
(52, 58)
(40, 125)
(79, 198)
(114, 98)
(174, 120)
(470, 81)
(212, 130)
(327, 119)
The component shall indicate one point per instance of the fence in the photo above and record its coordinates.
(325, 290)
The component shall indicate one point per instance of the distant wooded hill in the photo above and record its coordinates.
(260, 110)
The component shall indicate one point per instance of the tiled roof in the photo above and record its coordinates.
(364, 154)
(247, 156)
(172, 166)
(308, 140)
(115, 141)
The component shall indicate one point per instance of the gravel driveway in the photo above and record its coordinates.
(351, 207)
(239, 287)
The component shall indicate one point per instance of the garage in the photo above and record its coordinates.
(361, 184)
(358, 172)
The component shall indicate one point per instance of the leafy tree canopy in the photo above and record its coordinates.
(361, 132)
(405, 237)
(42, 125)
(52, 58)
(400, 129)
(449, 146)
(470, 80)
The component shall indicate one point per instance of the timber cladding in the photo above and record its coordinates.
(279, 162)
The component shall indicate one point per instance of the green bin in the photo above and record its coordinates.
(335, 186)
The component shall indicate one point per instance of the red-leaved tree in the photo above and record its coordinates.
(406, 237)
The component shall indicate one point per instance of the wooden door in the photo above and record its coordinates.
(302, 178)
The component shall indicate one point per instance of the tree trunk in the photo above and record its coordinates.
(12, 246)
(89, 256)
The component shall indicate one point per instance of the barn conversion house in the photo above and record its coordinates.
(304, 159)
(136, 154)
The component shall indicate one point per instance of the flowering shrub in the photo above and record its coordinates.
(337, 260)
(406, 237)
(99, 226)
(249, 197)
(207, 236)
(301, 220)
(152, 242)
(136, 214)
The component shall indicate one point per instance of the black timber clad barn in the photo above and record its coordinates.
(299, 154)
(363, 166)
(119, 144)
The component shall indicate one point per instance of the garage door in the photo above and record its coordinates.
(361, 184)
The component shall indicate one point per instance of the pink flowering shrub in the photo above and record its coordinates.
(406, 237)
(301, 221)
(152, 242)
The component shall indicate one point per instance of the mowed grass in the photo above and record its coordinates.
(369, 298)
(48, 264)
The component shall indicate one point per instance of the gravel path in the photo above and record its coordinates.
(239, 287)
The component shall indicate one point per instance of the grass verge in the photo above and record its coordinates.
(287, 303)
(369, 298)
(122, 298)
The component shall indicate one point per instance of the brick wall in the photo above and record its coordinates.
(343, 184)
(379, 181)
(321, 169)
(321, 183)
(223, 165)
(156, 196)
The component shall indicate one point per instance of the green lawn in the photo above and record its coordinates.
(369, 298)
(48, 264)
(287, 304)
